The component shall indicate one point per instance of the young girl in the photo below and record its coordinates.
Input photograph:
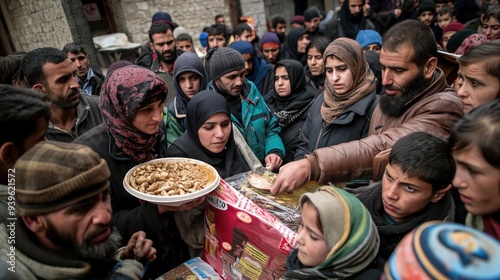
(289, 102)
(343, 112)
(337, 238)
(296, 44)
(315, 69)
(474, 145)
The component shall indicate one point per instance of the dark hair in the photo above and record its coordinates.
(20, 110)
(414, 34)
(184, 37)
(240, 28)
(276, 20)
(218, 29)
(487, 52)
(74, 48)
(218, 16)
(10, 68)
(492, 11)
(319, 43)
(426, 157)
(446, 10)
(479, 128)
(157, 28)
(33, 62)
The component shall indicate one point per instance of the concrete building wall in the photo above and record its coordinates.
(36, 24)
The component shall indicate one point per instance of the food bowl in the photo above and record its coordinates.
(178, 199)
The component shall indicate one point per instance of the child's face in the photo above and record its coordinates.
(426, 17)
(403, 196)
(185, 45)
(444, 20)
(310, 239)
(477, 181)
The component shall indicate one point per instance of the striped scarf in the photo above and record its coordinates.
(356, 248)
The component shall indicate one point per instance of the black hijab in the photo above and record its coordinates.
(292, 40)
(351, 24)
(201, 107)
(289, 108)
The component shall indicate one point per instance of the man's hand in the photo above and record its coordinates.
(139, 248)
(273, 161)
(183, 207)
(291, 176)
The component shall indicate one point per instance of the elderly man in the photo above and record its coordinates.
(416, 98)
(64, 228)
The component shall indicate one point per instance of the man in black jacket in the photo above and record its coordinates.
(89, 80)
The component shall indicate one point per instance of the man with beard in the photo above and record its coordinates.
(249, 113)
(64, 226)
(73, 112)
(348, 21)
(416, 98)
(162, 60)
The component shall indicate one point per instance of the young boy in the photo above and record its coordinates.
(414, 189)
(445, 16)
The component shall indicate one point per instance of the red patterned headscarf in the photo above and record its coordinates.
(123, 93)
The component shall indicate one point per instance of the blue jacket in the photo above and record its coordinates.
(260, 128)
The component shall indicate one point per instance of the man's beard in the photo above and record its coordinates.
(394, 106)
(62, 102)
(103, 251)
(169, 60)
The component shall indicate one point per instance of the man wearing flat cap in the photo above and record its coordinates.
(64, 228)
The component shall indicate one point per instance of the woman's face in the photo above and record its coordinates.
(282, 82)
(338, 75)
(302, 43)
(148, 117)
(491, 28)
(477, 181)
(475, 86)
(311, 242)
(315, 62)
(215, 132)
(189, 82)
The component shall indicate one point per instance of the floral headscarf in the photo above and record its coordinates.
(123, 93)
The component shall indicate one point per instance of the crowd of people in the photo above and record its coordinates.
(398, 101)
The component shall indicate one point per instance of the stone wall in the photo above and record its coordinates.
(134, 16)
(255, 9)
(38, 24)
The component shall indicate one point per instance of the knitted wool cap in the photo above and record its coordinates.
(220, 61)
(368, 37)
(454, 26)
(311, 13)
(457, 39)
(298, 20)
(270, 39)
(426, 5)
(179, 30)
(53, 175)
(162, 17)
(203, 39)
(436, 250)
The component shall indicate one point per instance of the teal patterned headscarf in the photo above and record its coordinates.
(350, 235)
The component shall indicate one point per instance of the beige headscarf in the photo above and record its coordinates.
(349, 52)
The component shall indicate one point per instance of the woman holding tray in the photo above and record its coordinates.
(131, 101)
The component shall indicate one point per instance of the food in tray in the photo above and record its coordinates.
(171, 178)
(259, 182)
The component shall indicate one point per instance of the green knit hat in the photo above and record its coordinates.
(53, 175)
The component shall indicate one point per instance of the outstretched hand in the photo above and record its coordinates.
(183, 207)
(139, 248)
(291, 177)
(273, 162)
